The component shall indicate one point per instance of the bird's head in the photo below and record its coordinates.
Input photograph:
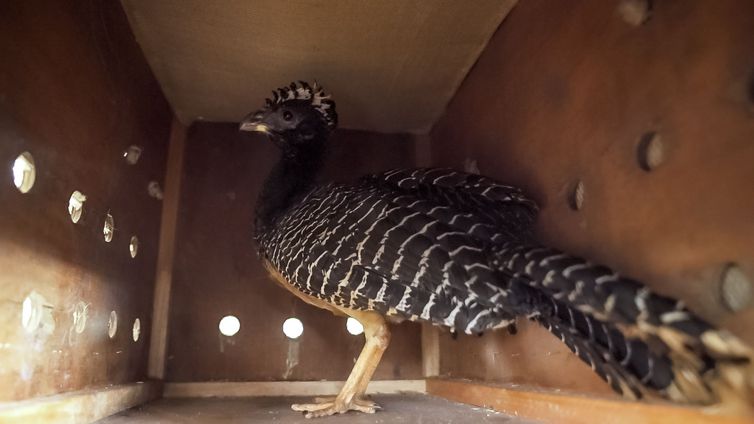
(296, 115)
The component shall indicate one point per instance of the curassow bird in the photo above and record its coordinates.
(458, 250)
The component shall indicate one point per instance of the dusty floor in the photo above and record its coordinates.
(406, 408)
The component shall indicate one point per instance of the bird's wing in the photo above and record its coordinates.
(466, 199)
(381, 246)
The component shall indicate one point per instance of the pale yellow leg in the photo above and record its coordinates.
(351, 395)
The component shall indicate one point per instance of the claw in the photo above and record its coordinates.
(324, 407)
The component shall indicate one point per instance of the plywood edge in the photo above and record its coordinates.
(562, 408)
(430, 350)
(284, 388)
(83, 406)
(166, 251)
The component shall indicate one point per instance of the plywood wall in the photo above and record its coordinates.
(217, 271)
(566, 92)
(75, 92)
(392, 65)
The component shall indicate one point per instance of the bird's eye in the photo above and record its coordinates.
(287, 115)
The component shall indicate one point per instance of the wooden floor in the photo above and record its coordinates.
(413, 408)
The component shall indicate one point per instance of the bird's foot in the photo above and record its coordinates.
(323, 407)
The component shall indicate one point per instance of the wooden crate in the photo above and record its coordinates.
(650, 115)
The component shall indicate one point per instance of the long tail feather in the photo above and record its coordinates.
(639, 341)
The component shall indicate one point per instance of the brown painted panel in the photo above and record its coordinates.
(565, 91)
(75, 91)
(217, 271)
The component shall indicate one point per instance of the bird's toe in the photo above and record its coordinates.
(324, 407)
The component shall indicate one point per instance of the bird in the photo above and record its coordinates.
(458, 250)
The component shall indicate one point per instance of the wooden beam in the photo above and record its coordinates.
(430, 350)
(284, 388)
(560, 408)
(166, 252)
(83, 406)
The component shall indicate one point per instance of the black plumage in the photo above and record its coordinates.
(457, 250)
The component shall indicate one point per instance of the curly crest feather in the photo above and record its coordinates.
(321, 101)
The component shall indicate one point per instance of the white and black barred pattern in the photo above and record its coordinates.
(375, 245)
(456, 249)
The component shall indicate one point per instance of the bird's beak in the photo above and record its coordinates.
(254, 126)
(253, 123)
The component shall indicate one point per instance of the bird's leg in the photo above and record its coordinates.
(351, 395)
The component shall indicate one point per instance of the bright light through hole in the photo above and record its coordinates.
(76, 205)
(24, 172)
(133, 247)
(136, 331)
(112, 324)
(80, 313)
(29, 314)
(293, 328)
(229, 325)
(32, 312)
(109, 228)
(354, 326)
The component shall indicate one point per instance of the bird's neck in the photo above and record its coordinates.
(291, 178)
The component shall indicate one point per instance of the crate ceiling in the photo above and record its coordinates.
(391, 65)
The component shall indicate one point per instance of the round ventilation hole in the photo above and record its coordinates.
(36, 314)
(79, 317)
(736, 288)
(154, 190)
(136, 331)
(24, 172)
(132, 154)
(229, 325)
(635, 12)
(32, 309)
(112, 324)
(133, 247)
(651, 151)
(354, 326)
(76, 206)
(576, 196)
(108, 230)
(293, 328)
